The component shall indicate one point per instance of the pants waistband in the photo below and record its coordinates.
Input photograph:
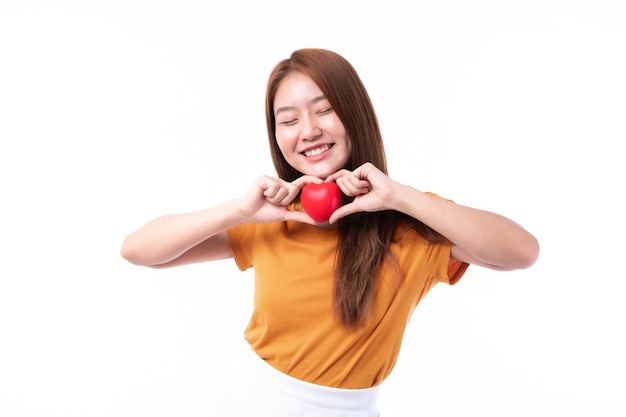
(338, 398)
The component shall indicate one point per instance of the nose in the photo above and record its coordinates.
(310, 128)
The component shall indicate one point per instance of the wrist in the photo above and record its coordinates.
(406, 199)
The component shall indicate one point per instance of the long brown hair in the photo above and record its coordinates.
(364, 238)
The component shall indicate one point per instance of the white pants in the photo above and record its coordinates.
(260, 390)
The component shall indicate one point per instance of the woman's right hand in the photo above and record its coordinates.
(268, 199)
(199, 236)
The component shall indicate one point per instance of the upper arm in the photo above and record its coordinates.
(460, 255)
(212, 249)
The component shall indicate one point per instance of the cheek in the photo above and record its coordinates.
(348, 144)
(339, 131)
(348, 152)
(284, 143)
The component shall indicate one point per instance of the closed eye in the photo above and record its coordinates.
(325, 111)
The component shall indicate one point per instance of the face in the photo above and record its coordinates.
(309, 134)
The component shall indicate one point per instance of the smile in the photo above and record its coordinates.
(316, 151)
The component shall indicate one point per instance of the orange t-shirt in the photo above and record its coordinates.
(293, 327)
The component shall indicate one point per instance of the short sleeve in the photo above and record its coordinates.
(456, 269)
(450, 270)
(241, 241)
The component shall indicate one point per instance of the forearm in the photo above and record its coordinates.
(488, 237)
(168, 237)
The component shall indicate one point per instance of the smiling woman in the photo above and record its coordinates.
(309, 133)
(334, 292)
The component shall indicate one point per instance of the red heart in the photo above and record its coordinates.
(321, 200)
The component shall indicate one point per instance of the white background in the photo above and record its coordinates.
(112, 113)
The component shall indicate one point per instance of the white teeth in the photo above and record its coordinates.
(317, 151)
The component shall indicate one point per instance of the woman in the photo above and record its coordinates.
(332, 299)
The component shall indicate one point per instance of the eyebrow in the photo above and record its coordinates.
(289, 108)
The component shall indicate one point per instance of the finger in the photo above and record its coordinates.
(281, 194)
(306, 179)
(352, 186)
(271, 189)
(269, 192)
(290, 195)
(299, 216)
(364, 170)
(337, 175)
(343, 211)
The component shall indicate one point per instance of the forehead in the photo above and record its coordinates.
(296, 87)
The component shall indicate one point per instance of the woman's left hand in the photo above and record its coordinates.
(371, 188)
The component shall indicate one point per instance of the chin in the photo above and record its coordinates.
(321, 170)
(323, 175)
(326, 172)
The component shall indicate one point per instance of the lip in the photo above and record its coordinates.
(324, 147)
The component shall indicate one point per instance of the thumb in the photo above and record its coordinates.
(343, 211)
